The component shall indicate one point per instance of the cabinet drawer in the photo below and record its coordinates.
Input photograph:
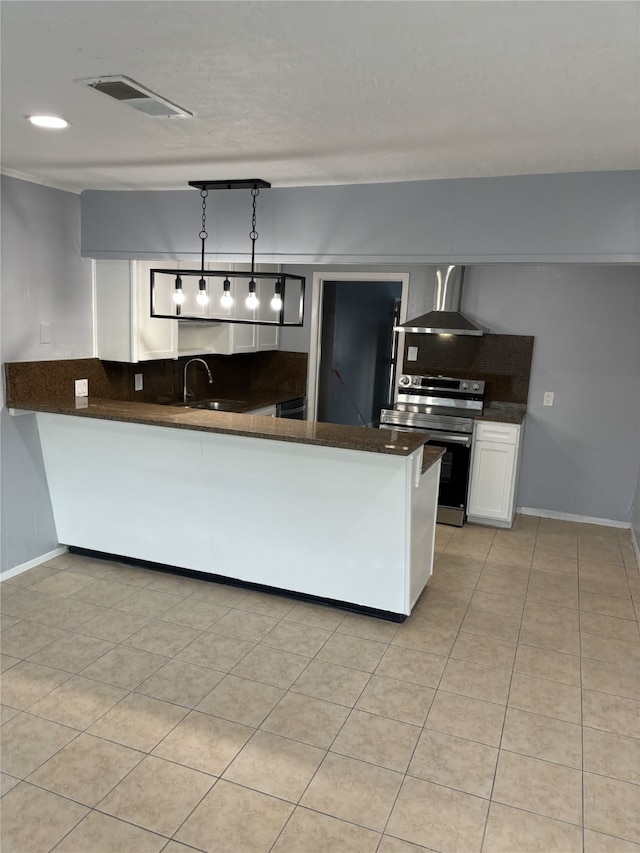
(500, 433)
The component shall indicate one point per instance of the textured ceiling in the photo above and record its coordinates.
(311, 93)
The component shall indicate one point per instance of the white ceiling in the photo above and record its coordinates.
(310, 93)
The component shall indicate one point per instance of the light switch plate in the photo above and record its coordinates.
(137, 382)
(82, 387)
(412, 354)
(548, 398)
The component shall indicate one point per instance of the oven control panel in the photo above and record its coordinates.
(442, 383)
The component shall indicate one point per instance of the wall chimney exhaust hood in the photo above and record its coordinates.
(446, 317)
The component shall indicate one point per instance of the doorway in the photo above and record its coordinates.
(351, 355)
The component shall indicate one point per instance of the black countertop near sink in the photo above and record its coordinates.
(250, 400)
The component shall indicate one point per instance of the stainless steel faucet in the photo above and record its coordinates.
(185, 393)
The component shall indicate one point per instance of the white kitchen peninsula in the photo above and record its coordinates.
(338, 513)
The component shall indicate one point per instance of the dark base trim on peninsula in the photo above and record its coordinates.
(207, 576)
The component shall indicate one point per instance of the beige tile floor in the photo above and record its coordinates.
(144, 711)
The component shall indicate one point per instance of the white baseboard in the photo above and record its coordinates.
(565, 516)
(31, 564)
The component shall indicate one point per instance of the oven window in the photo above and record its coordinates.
(446, 469)
(454, 474)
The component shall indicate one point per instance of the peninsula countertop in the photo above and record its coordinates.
(384, 441)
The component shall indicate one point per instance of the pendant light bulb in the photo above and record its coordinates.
(226, 300)
(178, 295)
(276, 302)
(252, 300)
(203, 297)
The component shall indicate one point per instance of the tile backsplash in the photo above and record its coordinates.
(162, 380)
(503, 361)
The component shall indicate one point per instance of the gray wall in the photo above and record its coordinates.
(575, 217)
(44, 280)
(581, 456)
(635, 513)
(589, 218)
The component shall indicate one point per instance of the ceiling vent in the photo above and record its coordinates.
(129, 92)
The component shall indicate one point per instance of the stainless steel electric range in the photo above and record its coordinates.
(445, 408)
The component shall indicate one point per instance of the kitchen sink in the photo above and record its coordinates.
(218, 405)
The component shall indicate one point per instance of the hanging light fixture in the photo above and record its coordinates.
(255, 283)
(226, 300)
(178, 294)
(252, 300)
(276, 302)
(203, 297)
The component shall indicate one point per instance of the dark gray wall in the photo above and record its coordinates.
(575, 217)
(44, 280)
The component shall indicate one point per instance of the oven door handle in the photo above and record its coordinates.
(452, 437)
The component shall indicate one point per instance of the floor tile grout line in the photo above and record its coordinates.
(437, 687)
(363, 638)
(506, 709)
(582, 726)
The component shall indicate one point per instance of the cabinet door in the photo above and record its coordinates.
(243, 337)
(153, 337)
(492, 480)
(267, 337)
(112, 305)
(191, 288)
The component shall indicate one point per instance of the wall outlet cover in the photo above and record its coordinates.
(548, 398)
(137, 382)
(412, 354)
(82, 387)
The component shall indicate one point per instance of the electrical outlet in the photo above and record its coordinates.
(548, 398)
(137, 382)
(412, 354)
(82, 387)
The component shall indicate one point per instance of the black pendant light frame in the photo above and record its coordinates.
(224, 276)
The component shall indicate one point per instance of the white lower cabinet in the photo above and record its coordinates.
(495, 462)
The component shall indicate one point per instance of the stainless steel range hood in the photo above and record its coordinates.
(446, 317)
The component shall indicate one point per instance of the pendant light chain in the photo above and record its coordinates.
(172, 290)
(253, 235)
(203, 233)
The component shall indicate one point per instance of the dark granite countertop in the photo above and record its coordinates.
(385, 441)
(506, 413)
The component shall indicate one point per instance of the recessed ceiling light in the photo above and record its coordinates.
(48, 121)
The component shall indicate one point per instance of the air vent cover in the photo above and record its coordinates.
(129, 92)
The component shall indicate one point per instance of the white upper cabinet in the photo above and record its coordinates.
(125, 331)
(267, 337)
